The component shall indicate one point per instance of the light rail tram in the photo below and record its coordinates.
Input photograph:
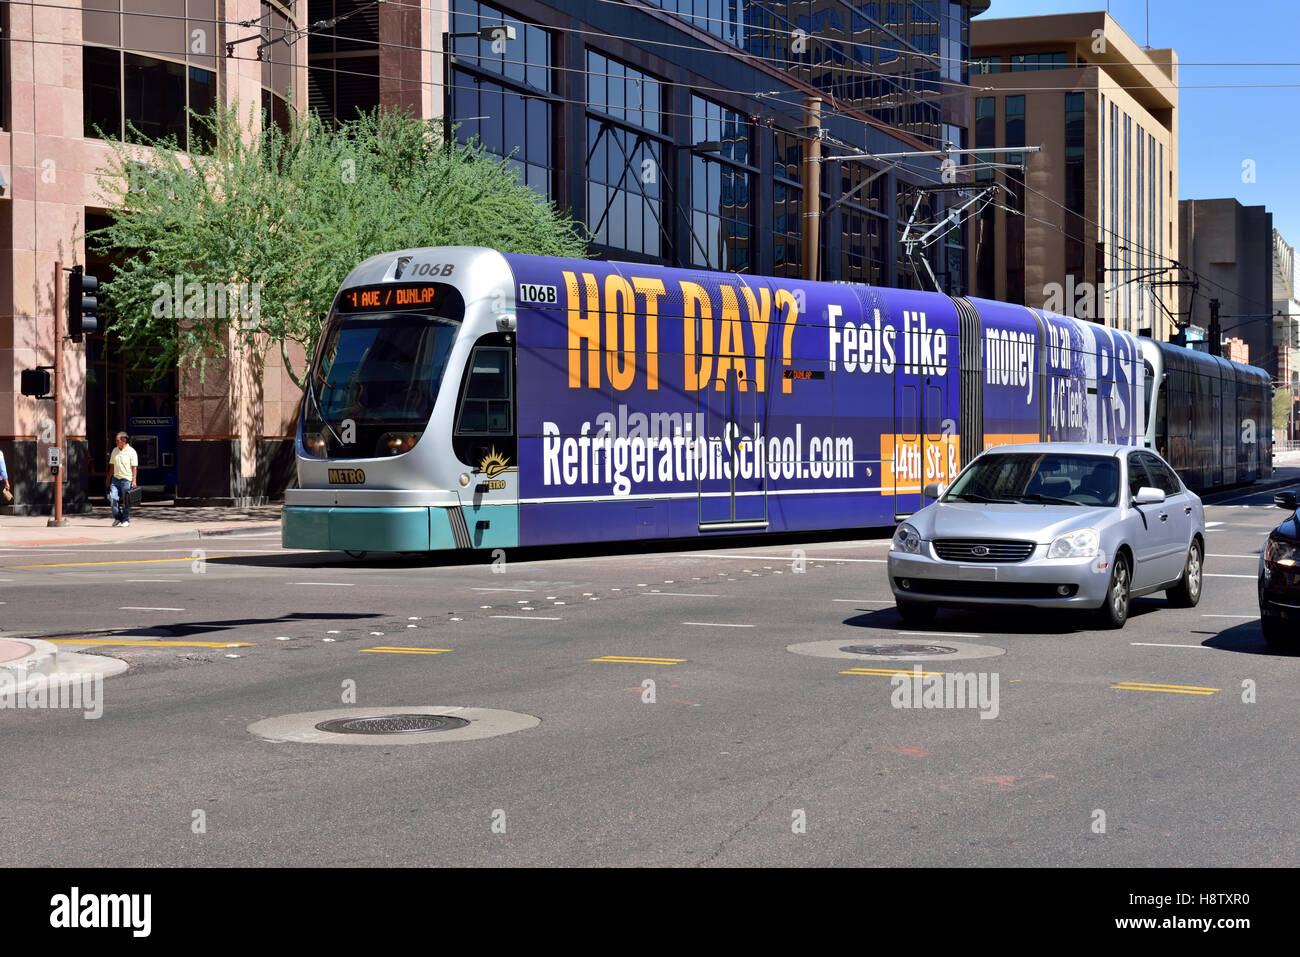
(463, 398)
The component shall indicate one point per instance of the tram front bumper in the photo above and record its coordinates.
(375, 529)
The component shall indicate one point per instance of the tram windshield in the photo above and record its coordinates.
(374, 382)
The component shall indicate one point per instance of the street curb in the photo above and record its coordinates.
(239, 530)
(43, 659)
(1242, 490)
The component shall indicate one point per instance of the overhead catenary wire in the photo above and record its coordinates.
(313, 29)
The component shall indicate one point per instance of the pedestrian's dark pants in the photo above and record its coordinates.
(122, 508)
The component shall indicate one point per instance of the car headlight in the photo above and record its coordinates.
(906, 539)
(1080, 544)
(1281, 553)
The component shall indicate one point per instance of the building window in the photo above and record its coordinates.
(1014, 135)
(499, 95)
(985, 64)
(343, 78)
(721, 209)
(144, 99)
(1074, 185)
(864, 224)
(787, 206)
(1038, 61)
(624, 158)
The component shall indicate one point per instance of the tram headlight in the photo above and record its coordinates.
(314, 444)
(395, 443)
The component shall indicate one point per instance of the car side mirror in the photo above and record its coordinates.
(1148, 496)
(1285, 500)
(934, 490)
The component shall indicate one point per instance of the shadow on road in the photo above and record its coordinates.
(1247, 639)
(540, 553)
(190, 629)
(1001, 620)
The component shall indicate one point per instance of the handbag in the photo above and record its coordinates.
(7, 495)
(135, 496)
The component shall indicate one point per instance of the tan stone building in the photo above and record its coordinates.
(71, 69)
(1100, 200)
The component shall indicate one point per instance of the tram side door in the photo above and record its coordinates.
(731, 471)
(919, 449)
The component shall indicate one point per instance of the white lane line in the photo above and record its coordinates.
(866, 601)
(339, 584)
(782, 558)
(1230, 616)
(153, 579)
(715, 624)
(145, 608)
(503, 589)
(1212, 524)
(939, 634)
(1157, 644)
(1249, 494)
(527, 617)
(1213, 555)
(1219, 575)
(680, 594)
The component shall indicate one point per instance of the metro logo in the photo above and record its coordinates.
(347, 476)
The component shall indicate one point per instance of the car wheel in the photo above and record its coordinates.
(916, 614)
(1114, 610)
(1273, 629)
(1188, 590)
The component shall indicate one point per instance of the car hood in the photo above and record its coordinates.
(1037, 523)
(1289, 530)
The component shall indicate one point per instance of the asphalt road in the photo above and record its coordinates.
(749, 754)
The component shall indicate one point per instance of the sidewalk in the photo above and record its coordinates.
(150, 520)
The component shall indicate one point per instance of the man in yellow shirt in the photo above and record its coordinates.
(122, 470)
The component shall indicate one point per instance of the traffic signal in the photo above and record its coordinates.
(82, 317)
(37, 382)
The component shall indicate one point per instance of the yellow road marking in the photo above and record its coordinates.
(1169, 689)
(124, 561)
(402, 650)
(888, 672)
(150, 644)
(633, 660)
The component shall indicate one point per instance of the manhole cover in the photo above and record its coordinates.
(393, 724)
(899, 651)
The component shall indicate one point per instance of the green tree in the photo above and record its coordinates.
(1282, 404)
(281, 217)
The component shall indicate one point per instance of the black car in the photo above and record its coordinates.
(1279, 577)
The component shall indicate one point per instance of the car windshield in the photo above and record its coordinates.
(1039, 478)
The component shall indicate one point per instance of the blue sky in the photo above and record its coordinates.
(1220, 128)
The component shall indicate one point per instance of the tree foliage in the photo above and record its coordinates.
(284, 216)
(1283, 402)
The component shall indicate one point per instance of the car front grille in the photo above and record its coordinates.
(982, 550)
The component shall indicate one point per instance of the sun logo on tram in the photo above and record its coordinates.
(494, 463)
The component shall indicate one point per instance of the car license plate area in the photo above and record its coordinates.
(977, 573)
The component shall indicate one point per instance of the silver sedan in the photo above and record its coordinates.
(1052, 524)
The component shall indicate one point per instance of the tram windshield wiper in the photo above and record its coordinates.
(1035, 497)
